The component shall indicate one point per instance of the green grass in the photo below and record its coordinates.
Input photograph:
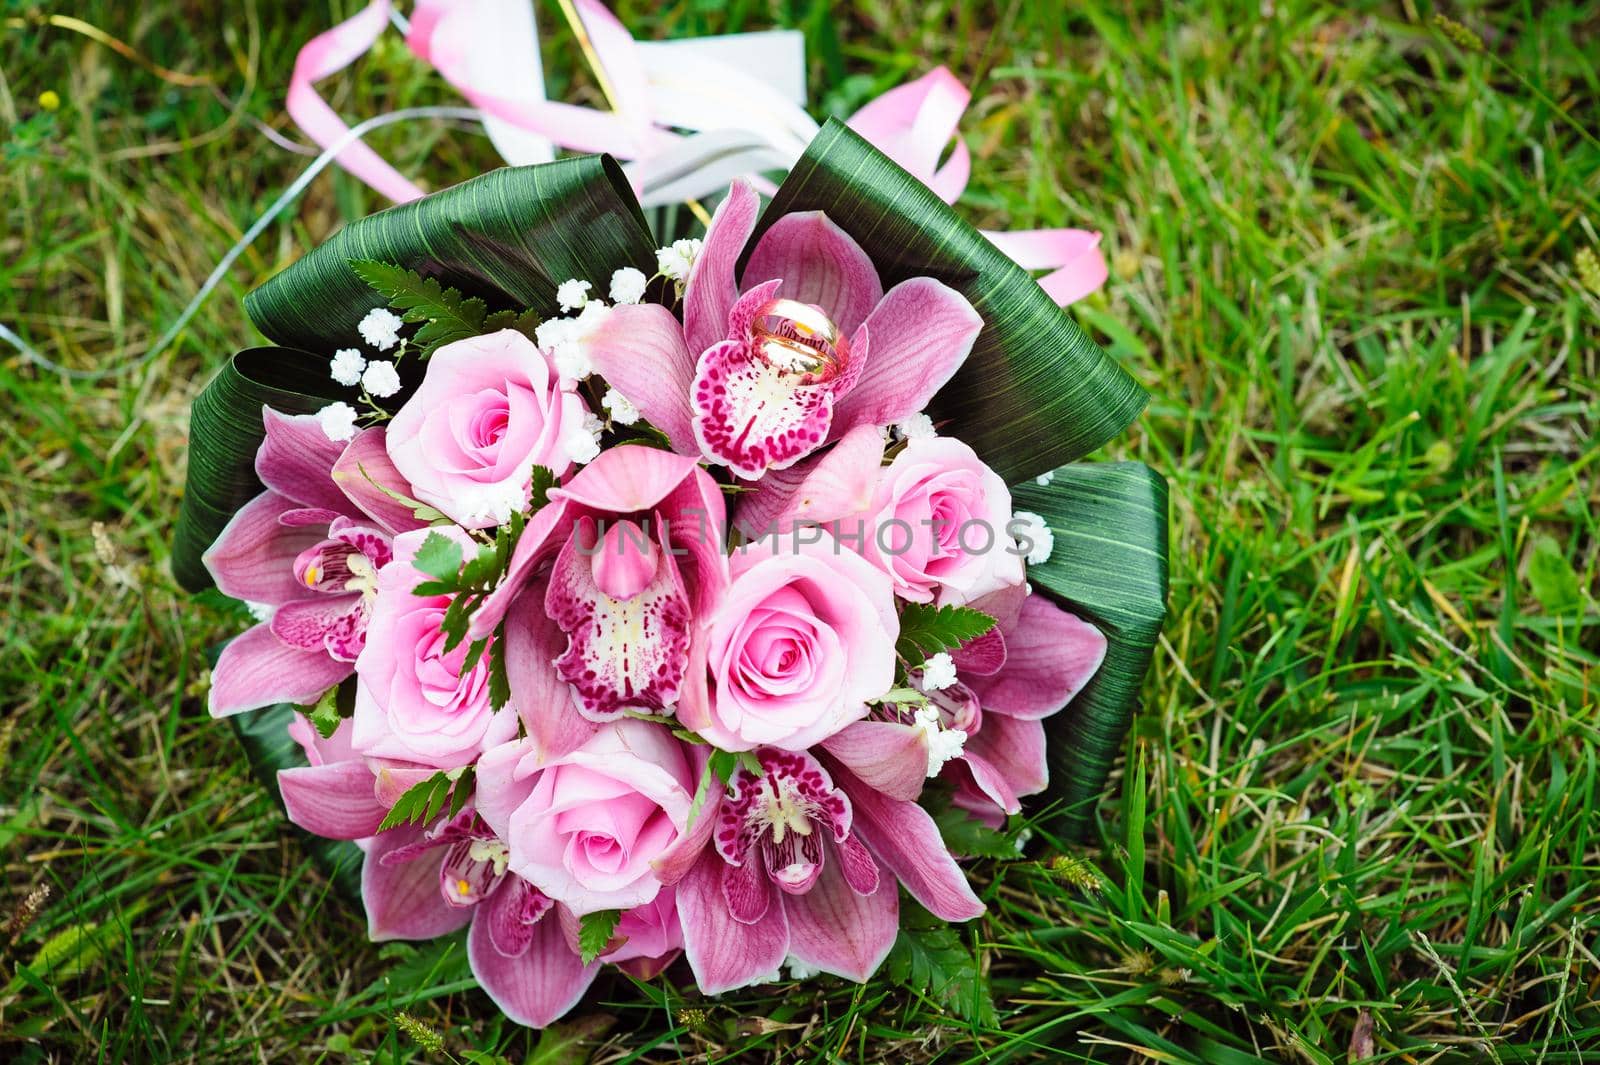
(1358, 813)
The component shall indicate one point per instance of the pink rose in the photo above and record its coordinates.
(937, 525)
(800, 641)
(489, 410)
(417, 702)
(587, 828)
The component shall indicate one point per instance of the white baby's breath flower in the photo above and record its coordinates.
(581, 440)
(917, 427)
(677, 259)
(1034, 535)
(623, 412)
(572, 294)
(338, 421)
(572, 363)
(381, 328)
(1045, 478)
(627, 285)
(346, 365)
(943, 743)
(381, 379)
(260, 611)
(799, 970)
(938, 672)
(503, 500)
(553, 332)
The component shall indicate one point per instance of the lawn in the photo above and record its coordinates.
(1354, 260)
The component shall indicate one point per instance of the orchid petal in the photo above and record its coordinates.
(253, 556)
(367, 476)
(1050, 656)
(819, 264)
(823, 488)
(543, 700)
(723, 953)
(296, 460)
(1014, 748)
(886, 755)
(628, 478)
(537, 986)
(834, 929)
(335, 801)
(257, 669)
(712, 288)
(640, 350)
(921, 333)
(905, 839)
(403, 900)
(753, 415)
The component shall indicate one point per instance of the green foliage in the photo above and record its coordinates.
(930, 958)
(926, 630)
(325, 715)
(1036, 390)
(595, 931)
(1338, 811)
(1552, 578)
(446, 792)
(964, 834)
(447, 316)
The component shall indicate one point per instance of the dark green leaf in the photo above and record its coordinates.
(544, 479)
(421, 802)
(447, 315)
(508, 238)
(225, 429)
(964, 834)
(499, 680)
(595, 931)
(925, 630)
(929, 957)
(1036, 392)
(1109, 566)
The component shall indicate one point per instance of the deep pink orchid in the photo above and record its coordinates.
(308, 549)
(804, 864)
(600, 591)
(519, 950)
(1029, 667)
(805, 346)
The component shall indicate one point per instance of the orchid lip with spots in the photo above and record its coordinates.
(670, 627)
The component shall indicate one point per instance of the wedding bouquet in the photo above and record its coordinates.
(629, 601)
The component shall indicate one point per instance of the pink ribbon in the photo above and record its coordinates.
(488, 50)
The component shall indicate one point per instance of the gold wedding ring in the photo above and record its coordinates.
(801, 351)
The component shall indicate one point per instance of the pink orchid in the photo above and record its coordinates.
(308, 548)
(804, 347)
(519, 951)
(1029, 667)
(600, 590)
(804, 865)
(517, 947)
